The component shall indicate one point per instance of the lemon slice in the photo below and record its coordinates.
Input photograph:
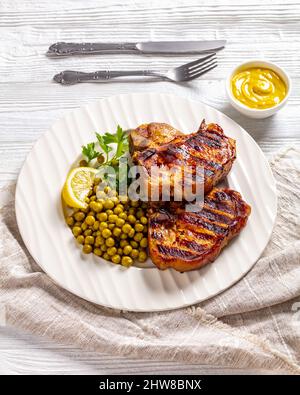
(77, 186)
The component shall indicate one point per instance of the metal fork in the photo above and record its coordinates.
(186, 72)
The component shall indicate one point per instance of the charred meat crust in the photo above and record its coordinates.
(189, 240)
(162, 146)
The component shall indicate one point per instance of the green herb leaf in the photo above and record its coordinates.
(89, 151)
(122, 142)
(103, 144)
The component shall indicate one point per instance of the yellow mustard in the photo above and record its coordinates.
(258, 87)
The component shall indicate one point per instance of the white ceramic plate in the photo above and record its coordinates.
(50, 242)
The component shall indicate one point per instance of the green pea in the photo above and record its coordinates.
(89, 240)
(126, 261)
(139, 213)
(70, 221)
(103, 247)
(108, 204)
(102, 217)
(142, 256)
(76, 231)
(111, 226)
(117, 231)
(134, 253)
(106, 256)
(139, 227)
(103, 225)
(100, 159)
(90, 220)
(123, 236)
(120, 222)
(127, 250)
(79, 216)
(131, 233)
(97, 251)
(123, 216)
(123, 243)
(111, 251)
(134, 244)
(106, 233)
(144, 220)
(80, 239)
(112, 218)
(110, 242)
(99, 240)
(96, 206)
(138, 237)
(144, 242)
(131, 219)
(83, 163)
(120, 206)
(109, 212)
(87, 232)
(116, 259)
(87, 249)
(126, 228)
(118, 210)
(96, 225)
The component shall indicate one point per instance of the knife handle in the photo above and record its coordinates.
(67, 49)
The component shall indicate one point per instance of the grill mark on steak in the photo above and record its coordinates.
(197, 220)
(187, 241)
(208, 148)
(174, 252)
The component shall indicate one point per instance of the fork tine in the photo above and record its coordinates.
(200, 64)
(201, 72)
(201, 67)
(197, 61)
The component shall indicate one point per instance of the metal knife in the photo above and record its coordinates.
(151, 47)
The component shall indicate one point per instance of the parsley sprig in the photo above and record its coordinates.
(89, 151)
(119, 139)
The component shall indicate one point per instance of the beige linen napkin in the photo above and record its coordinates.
(254, 324)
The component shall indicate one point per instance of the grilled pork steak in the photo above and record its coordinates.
(189, 240)
(159, 145)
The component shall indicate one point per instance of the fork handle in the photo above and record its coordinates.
(69, 77)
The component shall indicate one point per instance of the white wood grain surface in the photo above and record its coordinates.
(30, 102)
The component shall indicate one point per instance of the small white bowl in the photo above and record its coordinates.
(254, 112)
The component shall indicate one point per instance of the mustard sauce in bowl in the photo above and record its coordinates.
(258, 88)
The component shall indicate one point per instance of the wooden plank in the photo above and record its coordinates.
(23, 354)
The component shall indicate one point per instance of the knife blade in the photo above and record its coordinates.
(151, 47)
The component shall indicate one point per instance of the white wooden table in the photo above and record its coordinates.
(30, 102)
